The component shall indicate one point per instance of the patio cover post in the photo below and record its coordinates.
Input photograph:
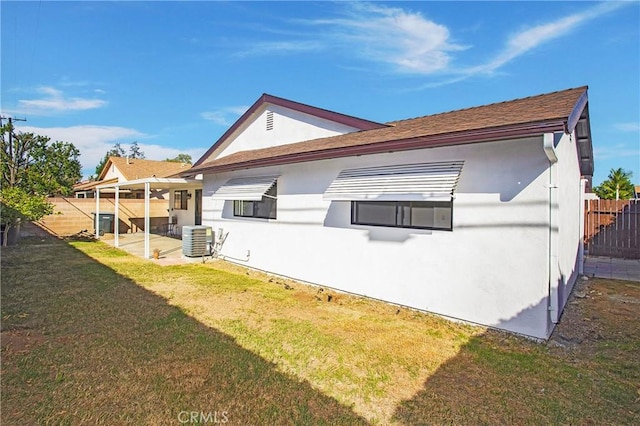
(96, 221)
(147, 190)
(116, 218)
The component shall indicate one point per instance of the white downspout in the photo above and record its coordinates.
(97, 216)
(583, 189)
(147, 189)
(116, 218)
(554, 273)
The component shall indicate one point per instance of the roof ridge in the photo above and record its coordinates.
(347, 120)
(395, 122)
(266, 96)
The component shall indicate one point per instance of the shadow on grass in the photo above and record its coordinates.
(586, 374)
(81, 343)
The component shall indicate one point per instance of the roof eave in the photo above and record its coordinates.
(431, 141)
(347, 120)
(154, 183)
(105, 168)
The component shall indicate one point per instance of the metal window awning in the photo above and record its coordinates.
(245, 188)
(408, 182)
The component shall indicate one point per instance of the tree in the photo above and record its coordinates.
(116, 151)
(181, 158)
(135, 152)
(618, 186)
(31, 169)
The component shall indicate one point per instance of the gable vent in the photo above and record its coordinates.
(269, 120)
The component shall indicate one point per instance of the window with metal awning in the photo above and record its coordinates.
(245, 188)
(409, 182)
(253, 197)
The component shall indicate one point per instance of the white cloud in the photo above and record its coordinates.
(280, 47)
(530, 38)
(159, 152)
(54, 101)
(412, 43)
(627, 127)
(406, 40)
(218, 117)
(224, 116)
(92, 141)
(615, 151)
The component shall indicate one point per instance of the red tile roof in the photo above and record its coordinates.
(517, 118)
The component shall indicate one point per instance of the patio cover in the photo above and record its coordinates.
(408, 182)
(147, 184)
(245, 188)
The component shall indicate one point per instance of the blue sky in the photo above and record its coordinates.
(173, 76)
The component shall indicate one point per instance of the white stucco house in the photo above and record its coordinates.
(472, 214)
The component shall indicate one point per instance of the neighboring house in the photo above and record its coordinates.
(87, 189)
(125, 169)
(472, 214)
(636, 195)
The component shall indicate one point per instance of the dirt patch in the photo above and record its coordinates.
(597, 309)
(20, 341)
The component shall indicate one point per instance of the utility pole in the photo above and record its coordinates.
(12, 154)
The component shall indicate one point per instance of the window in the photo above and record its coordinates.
(180, 200)
(403, 214)
(263, 209)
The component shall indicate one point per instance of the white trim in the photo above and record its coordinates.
(164, 183)
(116, 224)
(147, 191)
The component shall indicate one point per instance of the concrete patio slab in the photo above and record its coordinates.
(607, 267)
(170, 248)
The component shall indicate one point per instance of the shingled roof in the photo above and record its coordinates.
(265, 99)
(135, 168)
(535, 115)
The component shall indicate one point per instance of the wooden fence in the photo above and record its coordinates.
(611, 228)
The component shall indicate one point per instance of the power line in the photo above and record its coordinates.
(11, 119)
(11, 153)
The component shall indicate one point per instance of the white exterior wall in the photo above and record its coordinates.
(114, 172)
(289, 126)
(492, 269)
(185, 217)
(569, 231)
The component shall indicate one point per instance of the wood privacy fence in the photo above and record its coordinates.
(611, 228)
(72, 215)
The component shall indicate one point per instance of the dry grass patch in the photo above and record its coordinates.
(109, 351)
(117, 329)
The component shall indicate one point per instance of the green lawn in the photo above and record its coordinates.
(91, 334)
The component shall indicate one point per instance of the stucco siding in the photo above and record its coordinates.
(113, 173)
(183, 217)
(490, 269)
(289, 126)
(569, 199)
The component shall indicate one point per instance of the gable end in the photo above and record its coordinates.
(346, 120)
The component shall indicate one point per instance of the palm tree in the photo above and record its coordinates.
(618, 186)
